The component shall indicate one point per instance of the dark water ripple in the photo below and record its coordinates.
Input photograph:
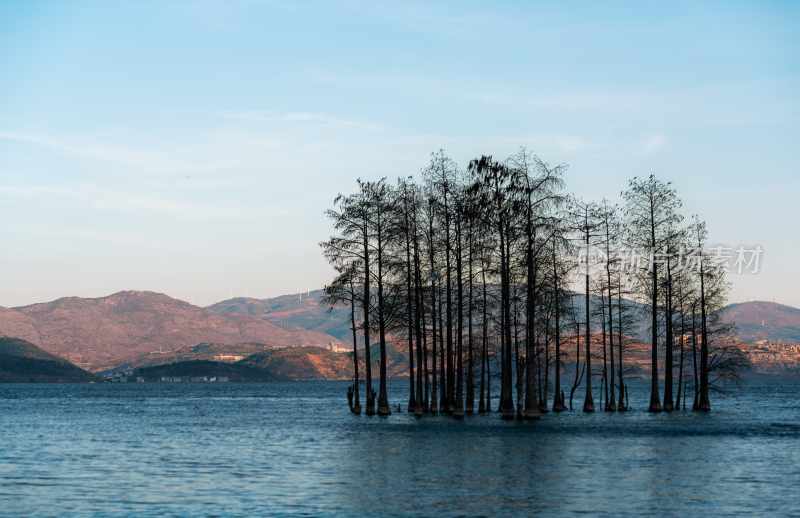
(293, 449)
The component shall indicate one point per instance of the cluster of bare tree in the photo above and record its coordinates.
(473, 271)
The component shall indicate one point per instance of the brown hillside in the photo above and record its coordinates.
(98, 333)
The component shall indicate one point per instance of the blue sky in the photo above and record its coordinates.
(191, 147)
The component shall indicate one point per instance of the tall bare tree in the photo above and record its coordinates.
(343, 290)
(651, 211)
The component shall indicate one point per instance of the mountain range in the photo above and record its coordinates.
(755, 320)
(99, 333)
(135, 329)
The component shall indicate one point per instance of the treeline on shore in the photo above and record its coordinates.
(475, 269)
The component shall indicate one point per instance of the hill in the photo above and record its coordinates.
(21, 362)
(285, 363)
(304, 311)
(754, 321)
(225, 353)
(203, 369)
(99, 333)
(297, 311)
(760, 320)
(301, 363)
(133, 329)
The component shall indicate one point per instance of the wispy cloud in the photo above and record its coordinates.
(300, 117)
(143, 161)
(114, 200)
(95, 150)
(653, 144)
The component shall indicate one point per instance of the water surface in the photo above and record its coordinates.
(294, 449)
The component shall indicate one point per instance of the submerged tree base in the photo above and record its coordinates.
(558, 402)
(508, 414)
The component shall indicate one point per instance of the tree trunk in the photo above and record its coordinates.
(370, 410)
(621, 403)
(442, 366)
(458, 407)
(607, 405)
(668, 362)
(588, 401)
(544, 392)
(484, 344)
(383, 398)
(558, 396)
(447, 405)
(705, 403)
(431, 258)
(578, 370)
(696, 383)
(421, 400)
(426, 376)
(683, 334)
(470, 357)
(612, 403)
(518, 361)
(655, 403)
(531, 394)
(412, 401)
(506, 399)
(356, 408)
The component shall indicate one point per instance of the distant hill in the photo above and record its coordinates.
(21, 362)
(304, 311)
(303, 363)
(204, 368)
(285, 363)
(297, 311)
(754, 321)
(99, 333)
(225, 353)
(289, 363)
(138, 329)
(760, 320)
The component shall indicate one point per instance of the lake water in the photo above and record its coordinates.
(294, 449)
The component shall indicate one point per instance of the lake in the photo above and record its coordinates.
(294, 449)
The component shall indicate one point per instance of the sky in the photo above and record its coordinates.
(191, 148)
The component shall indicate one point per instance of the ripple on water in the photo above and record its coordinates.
(293, 449)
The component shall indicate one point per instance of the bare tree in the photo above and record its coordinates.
(343, 289)
(651, 211)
